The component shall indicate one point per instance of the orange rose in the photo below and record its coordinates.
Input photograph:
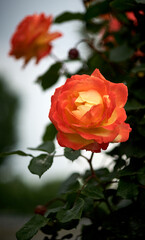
(113, 24)
(32, 38)
(88, 112)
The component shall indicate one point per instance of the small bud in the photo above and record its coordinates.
(73, 53)
(40, 209)
(141, 74)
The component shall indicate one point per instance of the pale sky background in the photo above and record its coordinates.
(35, 103)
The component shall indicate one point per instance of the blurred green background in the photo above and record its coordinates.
(16, 196)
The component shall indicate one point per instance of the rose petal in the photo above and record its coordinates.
(124, 130)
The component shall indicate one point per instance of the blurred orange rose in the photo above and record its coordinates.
(88, 112)
(113, 23)
(32, 38)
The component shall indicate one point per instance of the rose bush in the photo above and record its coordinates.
(114, 25)
(32, 38)
(88, 112)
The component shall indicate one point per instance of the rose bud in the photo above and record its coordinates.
(73, 53)
(40, 209)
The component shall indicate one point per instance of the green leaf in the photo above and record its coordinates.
(98, 60)
(127, 171)
(94, 27)
(70, 184)
(71, 154)
(127, 189)
(141, 176)
(50, 133)
(121, 53)
(140, 68)
(133, 148)
(134, 105)
(66, 215)
(45, 147)
(31, 227)
(97, 9)
(50, 77)
(40, 164)
(141, 127)
(68, 16)
(52, 211)
(140, 1)
(123, 5)
(103, 174)
(21, 153)
(94, 192)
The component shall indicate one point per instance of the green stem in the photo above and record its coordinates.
(59, 155)
(56, 59)
(93, 175)
(84, 157)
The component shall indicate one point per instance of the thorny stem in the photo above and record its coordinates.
(90, 43)
(82, 188)
(92, 170)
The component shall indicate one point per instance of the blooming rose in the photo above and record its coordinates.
(32, 38)
(88, 112)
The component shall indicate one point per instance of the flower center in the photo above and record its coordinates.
(85, 101)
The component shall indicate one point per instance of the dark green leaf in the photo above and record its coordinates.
(66, 215)
(134, 105)
(124, 203)
(94, 27)
(31, 227)
(141, 127)
(71, 154)
(97, 9)
(140, 1)
(133, 149)
(127, 171)
(121, 53)
(94, 192)
(123, 5)
(50, 133)
(70, 184)
(45, 147)
(68, 16)
(127, 189)
(141, 176)
(140, 68)
(97, 60)
(40, 164)
(50, 77)
(52, 211)
(21, 153)
(103, 174)
(123, 18)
